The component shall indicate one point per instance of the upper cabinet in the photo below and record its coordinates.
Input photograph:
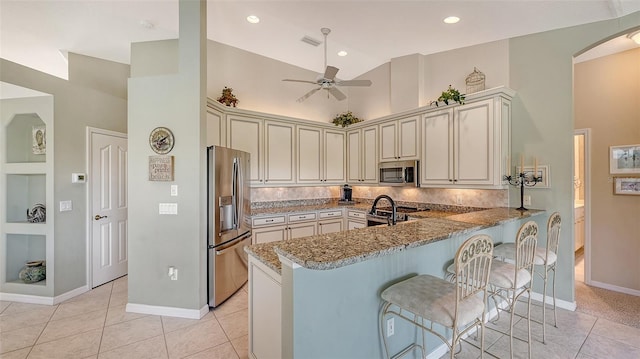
(464, 146)
(399, 139)
(271, 145)
(216, 127)
(321, 155)
(362, 152)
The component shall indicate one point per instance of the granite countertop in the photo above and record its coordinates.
(256, 212)
(329, 251)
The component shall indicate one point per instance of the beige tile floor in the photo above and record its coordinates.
(95, 325)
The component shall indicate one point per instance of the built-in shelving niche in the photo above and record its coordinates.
(23, 248)
(23, 192)
(23, 136)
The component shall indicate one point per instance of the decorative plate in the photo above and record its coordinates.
(161, 140)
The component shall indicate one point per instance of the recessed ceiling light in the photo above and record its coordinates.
(342, 53)
(451, 20)
(253, 19)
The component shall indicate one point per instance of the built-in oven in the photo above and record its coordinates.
(399, 173)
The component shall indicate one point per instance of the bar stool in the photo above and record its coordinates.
(545, 258)
(460, 306)
(510, 281)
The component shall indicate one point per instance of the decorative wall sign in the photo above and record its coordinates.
(39, 140)
(626, 185)
(160, 168)
(624, 159)
(542, 171)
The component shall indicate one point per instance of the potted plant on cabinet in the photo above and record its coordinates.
(451, 95)
(345, 119)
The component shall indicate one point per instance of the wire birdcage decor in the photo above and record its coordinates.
(475, 81)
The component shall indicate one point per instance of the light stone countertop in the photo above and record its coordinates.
(308, 208)
(335, 250)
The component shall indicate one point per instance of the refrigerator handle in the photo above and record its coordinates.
(235, 193)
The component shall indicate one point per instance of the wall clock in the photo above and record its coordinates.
(161, 140)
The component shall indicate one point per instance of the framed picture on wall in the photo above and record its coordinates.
(624, 159)
(626, 185)
(38, 140)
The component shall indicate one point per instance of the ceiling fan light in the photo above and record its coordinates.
(342, 53)
(253, 19)
(635, 36)
(451, 19)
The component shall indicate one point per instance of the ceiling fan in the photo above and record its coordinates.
(327, 81)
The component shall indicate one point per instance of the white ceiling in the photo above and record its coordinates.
(38, 33)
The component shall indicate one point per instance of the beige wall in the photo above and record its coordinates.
(607, 100)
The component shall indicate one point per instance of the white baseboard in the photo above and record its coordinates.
(559, 302)
(37, 299)
(70, 294)
(168, 311)
(615, 288)
(25, 298)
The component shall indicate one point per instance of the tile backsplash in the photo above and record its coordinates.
(459, 197)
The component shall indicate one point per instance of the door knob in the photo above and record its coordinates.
(99, 217)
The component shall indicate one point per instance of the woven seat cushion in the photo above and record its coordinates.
(508, 251)
(503, 275)
(434, 299)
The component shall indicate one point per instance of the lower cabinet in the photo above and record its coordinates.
(265, 313)
(356, 219)
(579, 228)
(330, 226)
(269, 234)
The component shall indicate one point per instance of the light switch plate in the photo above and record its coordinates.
(168, 208)
(66, 206)
(174, 190)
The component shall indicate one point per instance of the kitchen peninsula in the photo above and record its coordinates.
(318, 296)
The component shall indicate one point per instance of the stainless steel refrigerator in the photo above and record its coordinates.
(227, 231)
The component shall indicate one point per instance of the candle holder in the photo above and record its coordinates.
(522, 180)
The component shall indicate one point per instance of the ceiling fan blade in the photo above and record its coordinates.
(337, 93)
(308, 94)
(305, 81)
(330, 72)
(354, 83)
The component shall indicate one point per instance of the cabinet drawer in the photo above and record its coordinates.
(301, 217)
(331, 214)
(267, 221)
(357, 215)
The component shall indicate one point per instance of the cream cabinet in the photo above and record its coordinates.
(362, 160)
(265, 309)
(271, 145)
(216, 127)
(281, 227)
(321, 155)
(356, 219)
(400, 139)
(579, 227)
(330, 221)
(465, 146)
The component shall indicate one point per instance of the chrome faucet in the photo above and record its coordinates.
(393, 207)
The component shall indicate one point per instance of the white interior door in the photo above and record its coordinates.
(108, 180)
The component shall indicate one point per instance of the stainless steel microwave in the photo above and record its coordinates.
(399, 173)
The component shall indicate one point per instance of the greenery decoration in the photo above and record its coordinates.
(345, 119)
(227, 97)
(450, 95)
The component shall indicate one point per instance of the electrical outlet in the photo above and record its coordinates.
(458, 199)
(173, 273)
(390, 327)
(527, 200)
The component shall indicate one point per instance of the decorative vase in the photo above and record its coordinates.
(37, 214)
(33, 272)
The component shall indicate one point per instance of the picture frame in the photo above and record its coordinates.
(543, 172)
(161, 168)
(624, 159)
(625, 185)
(39, 140)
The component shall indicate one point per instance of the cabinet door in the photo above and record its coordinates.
(279, 153)
(437, 148)
(474, 143)
(269, 234)
(302, 230)
(330, 226)
(351, 224)
(369, 159)
(215, 128)
(309, 154)
(245, 134)
(354, 155)
(408, 138)
(388, 141)
(334, 157)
